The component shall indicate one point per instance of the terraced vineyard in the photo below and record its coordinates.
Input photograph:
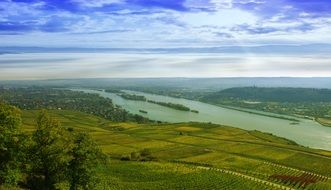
(198, 156)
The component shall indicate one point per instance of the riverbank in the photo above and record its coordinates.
(258, 113)
(307, 132)
(323, 121)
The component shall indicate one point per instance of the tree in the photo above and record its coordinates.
(87, 157)
(10, 145)
(57, 158)
(63, 157)
(51, 153)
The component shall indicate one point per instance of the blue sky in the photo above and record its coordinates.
(303, 27)
(163, 23)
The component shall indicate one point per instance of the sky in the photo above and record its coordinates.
(166, 24)
(163, 23)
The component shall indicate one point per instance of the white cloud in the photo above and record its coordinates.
(222, 4)
(96, 3)
(224, 17)
(8, 9)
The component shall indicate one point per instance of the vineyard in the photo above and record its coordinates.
(198, 156)
(284, 177)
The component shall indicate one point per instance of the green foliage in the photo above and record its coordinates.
(58, 99)
(53, 158)
(314, 103)
(171, 105)
(133, 97)
(135, 156)
(10, 119)
(166, 104)
(143, 155)
(126, 158)
(195, 111)
(52, 147)
(10, 145)
(63, 158)
(290, 95)
(139, 119)
(111, 90)
(83, 167)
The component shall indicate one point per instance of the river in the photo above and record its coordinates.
(307, 132)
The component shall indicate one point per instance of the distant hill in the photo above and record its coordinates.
(188, 84)
(258, 49)
(291, 95)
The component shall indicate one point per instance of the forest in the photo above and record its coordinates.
(286, 95)
(52, 98)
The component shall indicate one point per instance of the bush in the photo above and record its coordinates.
(145, 152)
(146, 155)
(135, 156)
(143, 155)
(126, 158)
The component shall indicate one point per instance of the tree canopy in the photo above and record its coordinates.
(52, 157)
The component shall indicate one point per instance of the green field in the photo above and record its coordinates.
(198, 155)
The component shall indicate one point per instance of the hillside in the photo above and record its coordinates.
(197, 155)
(290, 95)
(303, 102)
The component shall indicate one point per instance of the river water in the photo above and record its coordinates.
(308, 133)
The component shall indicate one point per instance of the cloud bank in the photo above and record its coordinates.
(105, 65)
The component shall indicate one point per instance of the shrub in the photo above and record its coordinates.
(146, 155)
(135, 156)
(126, 158)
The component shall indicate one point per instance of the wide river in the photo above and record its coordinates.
(307, 132)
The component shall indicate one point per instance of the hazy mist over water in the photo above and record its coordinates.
(140, 65)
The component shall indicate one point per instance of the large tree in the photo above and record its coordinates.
(63, 157)
(10, 145)
(86, 159)
(51, 153)
(52, 158)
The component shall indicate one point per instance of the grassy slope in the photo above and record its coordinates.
(254, 154)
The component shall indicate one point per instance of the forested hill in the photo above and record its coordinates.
(290, 95)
